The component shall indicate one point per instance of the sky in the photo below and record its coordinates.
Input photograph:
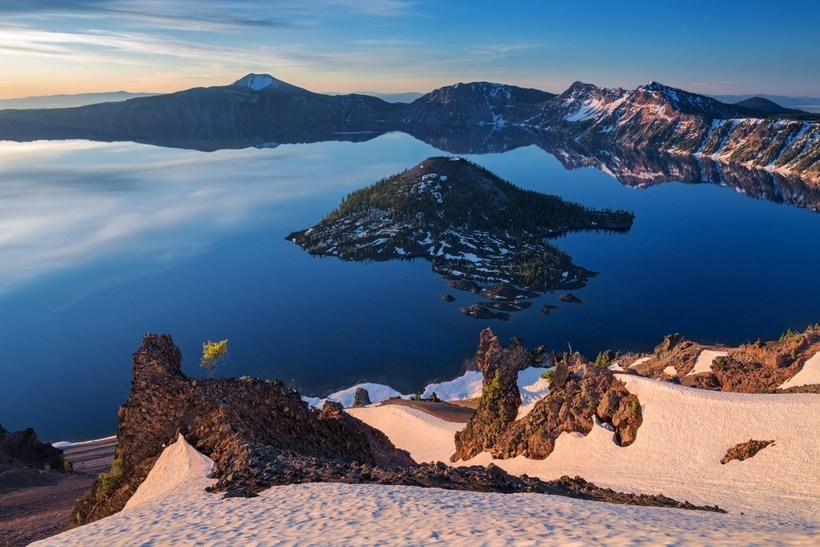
(719, 47)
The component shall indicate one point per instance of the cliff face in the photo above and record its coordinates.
(244, 426)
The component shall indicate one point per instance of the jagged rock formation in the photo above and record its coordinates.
(260, 434)
(579, 394)
(23, 449)
(759, 367)
(500, 398)
(259, 110)
(480, 232)
(242, 425)
(744, 451)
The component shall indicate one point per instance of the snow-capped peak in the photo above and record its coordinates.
(257, 82)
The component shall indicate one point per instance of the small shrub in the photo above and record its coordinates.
(68, 467)
(111, 480)
(790, 335)
(548, 374)
(213, 354)
(603, 360)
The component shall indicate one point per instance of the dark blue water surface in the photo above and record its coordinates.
(101, 243)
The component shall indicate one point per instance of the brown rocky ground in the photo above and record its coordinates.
(35, 504)
(758, 367)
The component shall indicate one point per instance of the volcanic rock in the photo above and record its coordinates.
(743, 451)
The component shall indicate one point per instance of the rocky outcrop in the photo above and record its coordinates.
(260, 434)
(580, 394)
(759, 367)
(361, 397)
(23, 449)
(744, 451)
(250, 428)
(500, 398)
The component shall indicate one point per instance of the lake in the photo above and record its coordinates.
(103, 242)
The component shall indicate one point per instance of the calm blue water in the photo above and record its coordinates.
(101, 243)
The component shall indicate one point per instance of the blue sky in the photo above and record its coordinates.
(71, 46)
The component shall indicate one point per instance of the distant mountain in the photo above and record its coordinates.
(406, 97)
(656, 118)
(482, 103)
(259, 110)
(806, 104)
(759, 104)
(68, 101)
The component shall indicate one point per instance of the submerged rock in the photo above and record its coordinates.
(481, 312)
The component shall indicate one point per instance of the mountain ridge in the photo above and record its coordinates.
(258, 108)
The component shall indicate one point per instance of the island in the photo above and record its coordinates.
(480, 232)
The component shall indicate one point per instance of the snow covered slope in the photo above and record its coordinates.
(684, 435)
(340, 514)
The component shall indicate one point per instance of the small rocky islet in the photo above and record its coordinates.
(481, 233)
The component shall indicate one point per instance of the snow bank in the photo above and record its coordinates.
(684, 435)
(808, 375)
(532, 387)
(466, 386)
(705, 359)
(178, 464)
(377, 393)
(427, 438)
(343, 514)
(639, 361)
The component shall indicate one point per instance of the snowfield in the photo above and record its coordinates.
(684, 435)
(340, 514)
(772, 498)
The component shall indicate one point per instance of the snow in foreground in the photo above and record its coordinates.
(338, 514)
(684, 435)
